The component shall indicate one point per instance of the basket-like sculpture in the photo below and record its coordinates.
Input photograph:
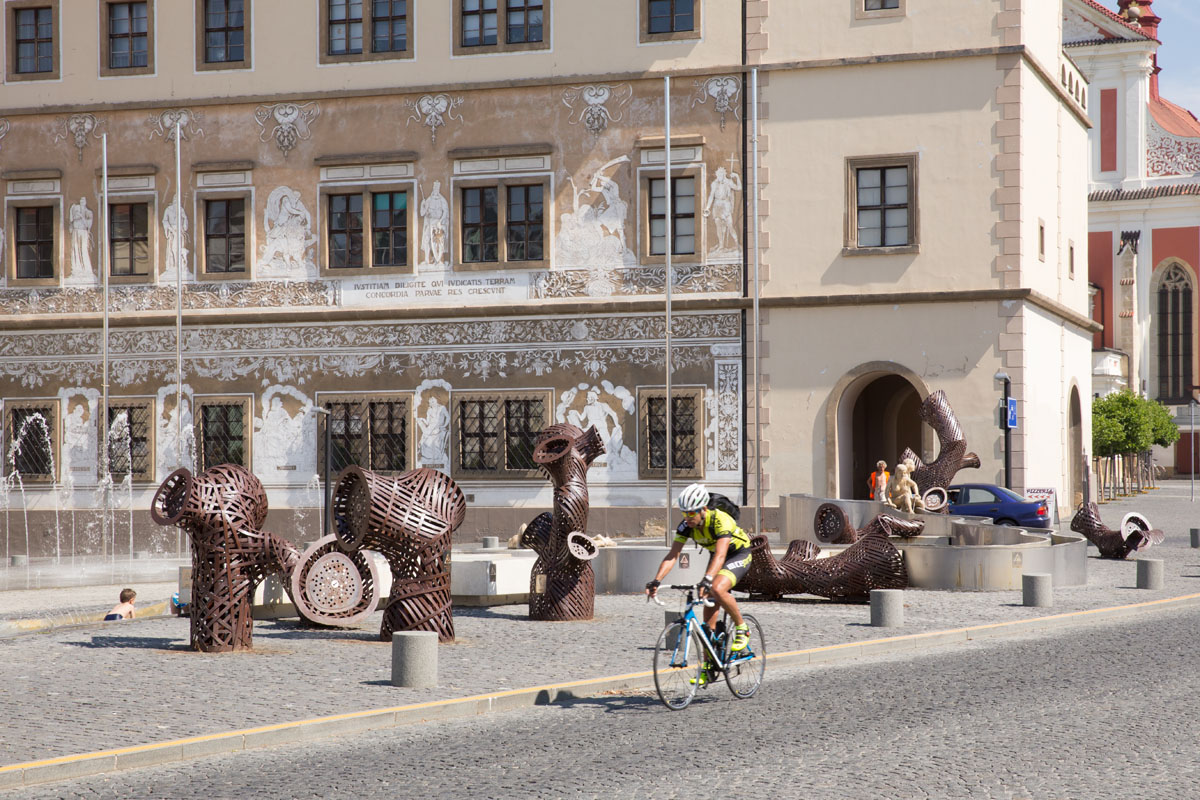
(331, 587)
(410, 520)
(562, 585)
(952, 452)
(222, 510)
(1134, 534)
(832, 526)
(872, 562)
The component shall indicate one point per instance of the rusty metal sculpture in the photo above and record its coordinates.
(832, 526)
(1134, 534)
(871, 562)
(952, 452)
(331, 587)
(562, 583)
(222, 510)
(410, 520)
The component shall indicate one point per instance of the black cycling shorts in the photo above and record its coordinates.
(736, 567)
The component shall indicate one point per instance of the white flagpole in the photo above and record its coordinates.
(178, 303)
(667, 280)
(102, 428)
(758, 494)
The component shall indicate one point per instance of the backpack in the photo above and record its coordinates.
(723, 503)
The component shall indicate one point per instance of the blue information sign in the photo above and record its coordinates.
(1011, 419)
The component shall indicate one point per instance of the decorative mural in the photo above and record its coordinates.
(639, 280)
(593, 411)
(287, 123)
(592, 233)
(720, 208)
(80, 445)
(79, 223)
(4, 128)
(1168, 154)
(285, 441)
(175, 230)
(589, 105)
(433, 111)
(174, 440)
(435, 226)
(287, 226)
(433, 423)
(163, 124)
(79, 128)
(724, 91)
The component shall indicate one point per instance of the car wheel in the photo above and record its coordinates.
(1008, 523)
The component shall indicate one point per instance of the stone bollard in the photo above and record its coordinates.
(18, 561)
(1195, 537)
(887, 608)
(1037, 589)
(1149, 573)
(414, 659)
(490, 542)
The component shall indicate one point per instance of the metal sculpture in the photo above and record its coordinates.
(410, 520)
(222, 510)
(562, 583)
(832, 526)
(1134, 534)
(952, 451)
(332, 587)
(871, 562)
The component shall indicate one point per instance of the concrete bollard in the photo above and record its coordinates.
(1037, 589)
(18, 561)
(887, 608)
(414, 659)
(1149, 573)
(1195, 537)
(490, 542)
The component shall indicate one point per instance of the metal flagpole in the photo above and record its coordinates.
(667, 281)
(1192, 447)
(105, 477)
(757, 358)
(178, 302)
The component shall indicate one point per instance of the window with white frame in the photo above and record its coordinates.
(882, 212)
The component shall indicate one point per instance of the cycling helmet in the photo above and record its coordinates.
(693, 497)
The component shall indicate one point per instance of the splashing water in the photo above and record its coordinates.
(15, 451)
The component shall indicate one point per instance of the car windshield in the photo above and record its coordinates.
(1010, 494)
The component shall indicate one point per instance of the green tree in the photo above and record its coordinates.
(1122, 422)
(1164, 431)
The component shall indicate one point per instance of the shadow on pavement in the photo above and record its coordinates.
(139, 642)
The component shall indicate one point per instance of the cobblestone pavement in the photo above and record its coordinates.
(1096, 711)
(83, 689)
(78, 600)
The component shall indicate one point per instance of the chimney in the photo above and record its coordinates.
(1140, 12)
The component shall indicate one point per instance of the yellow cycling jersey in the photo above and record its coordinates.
(717, 525)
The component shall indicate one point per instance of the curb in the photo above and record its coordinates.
(14, 627)
(66, 767)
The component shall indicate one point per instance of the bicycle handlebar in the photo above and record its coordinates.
(684, 587)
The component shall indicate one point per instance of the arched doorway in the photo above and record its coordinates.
(1075, 449)
(883, 421)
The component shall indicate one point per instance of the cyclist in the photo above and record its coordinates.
(715, 531)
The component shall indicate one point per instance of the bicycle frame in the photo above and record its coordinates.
(690, 622)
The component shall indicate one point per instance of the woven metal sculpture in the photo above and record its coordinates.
(222, 510)
(872, 562)
(1134, 534)
(952, 451)
(562, 583)
(410, 520)
(332, 587)
(832, 526)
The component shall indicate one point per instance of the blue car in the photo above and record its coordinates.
(1004, 506)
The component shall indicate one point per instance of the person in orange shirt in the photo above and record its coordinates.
(878, 481)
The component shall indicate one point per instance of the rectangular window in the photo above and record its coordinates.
(480, 225)
(686, 437)
(523, 21)
(130, 448)
(345, 27)
(31, 437)
(1071, 261)
(34, 39)
(368, 432)
(683, 216)
(495, 434)
(34, 243)
(882, 212)
(523, 223)
(874, 9)
(129, 239)
(671, 16)
(879, 5)
(128, 35)
(222, 435)
(225, 236)
(345, 231)
(500, 26)
(1041, 240)
(389, 26)
(389, 229)
(224, 31)
(479, 20)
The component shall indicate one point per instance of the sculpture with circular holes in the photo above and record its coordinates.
(331, 587)
(562, 582)
(952, 456)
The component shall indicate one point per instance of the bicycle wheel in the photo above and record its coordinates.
(744, 669)
(677, 666)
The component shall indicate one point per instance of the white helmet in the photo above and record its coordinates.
(693, 497)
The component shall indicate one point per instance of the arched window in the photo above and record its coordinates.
(1174, 321)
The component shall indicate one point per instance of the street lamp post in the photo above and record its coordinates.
(1002, 377)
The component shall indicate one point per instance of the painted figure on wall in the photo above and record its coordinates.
(80, 432)
(435, 433)
(592, 234)
(720, 207)
(175, 227)
(281, 441)
(288, 228)
(435, 218)
(80, 222)
(175, 439)
(598, 414)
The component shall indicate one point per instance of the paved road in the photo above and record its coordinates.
(1103, 711)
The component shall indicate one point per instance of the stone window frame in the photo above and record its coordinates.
(367, 54)
(679, 169)
(502, 181)
(862, 12)
(11, 7)
(644, 395)
(646, 37)
(54, 406)
(153, 224)
(366, 188)
(107, 71)
(458, 49)
(200, 237)
(501, 471)
(247, 62)
(324, 399)
(145, 403)
(12, 204)
(855, 163)
(201, 401)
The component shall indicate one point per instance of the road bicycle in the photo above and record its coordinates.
(685, 645)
